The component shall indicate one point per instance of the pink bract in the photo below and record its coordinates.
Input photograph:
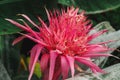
(62, 43)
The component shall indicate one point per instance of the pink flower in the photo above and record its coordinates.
(62, 43)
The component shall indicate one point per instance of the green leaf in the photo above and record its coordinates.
(3, 73)
(112, 16)
(9, 55)
(10, 10)
(37, 70)
(113, 73)
(92, 6)
(80, 77)
(8, 1)
(86, 76)
(104, 25)
(24, 76)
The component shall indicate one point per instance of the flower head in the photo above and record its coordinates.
(62, 43)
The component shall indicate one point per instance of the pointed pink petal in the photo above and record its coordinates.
(64, 67)
(57, 74)
(18, 40)
(44, 25)
(35, 53)
(96, 34)
(53, 56)
(21, 38)
(89, 26)
(26, 27)
(106, 42)
(75, 11)
(44, 62)
(30, 30)
(26, 17)
(89, 63)
(25, 24)
(17, 24)
(32, 38)
(57, 70)
(96, 55)
(97, 48)
(32, 56)
(71, 64)
(45, 74)
(48, 15)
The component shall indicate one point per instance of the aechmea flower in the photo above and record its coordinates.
(62, 43)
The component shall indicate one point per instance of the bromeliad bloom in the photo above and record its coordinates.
(62, 43)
